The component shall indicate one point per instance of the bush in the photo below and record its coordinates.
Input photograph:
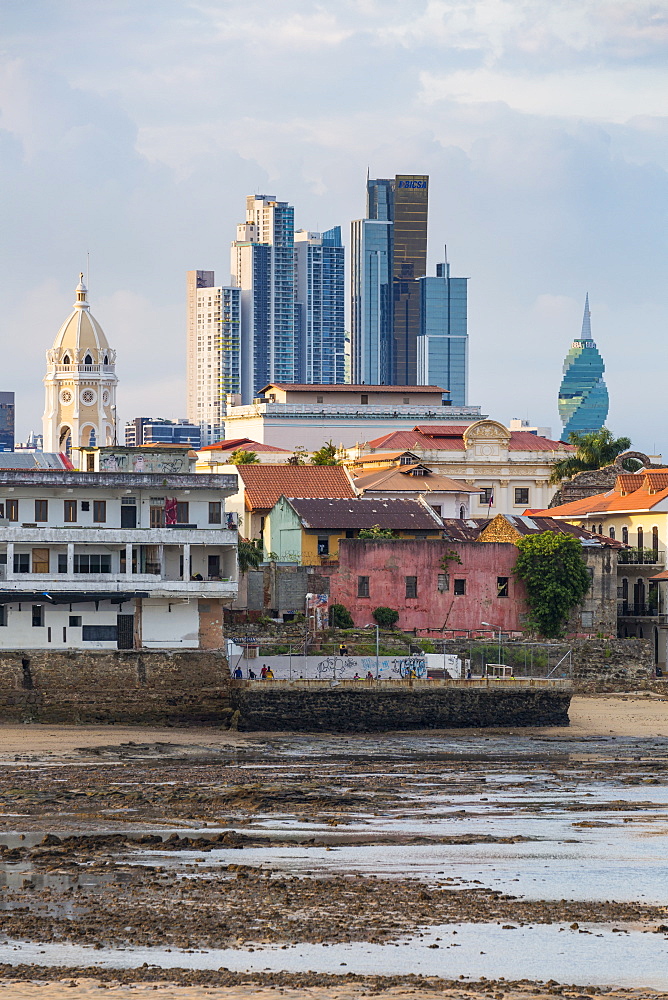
(427, 646)
(385, 617)
(340, 617)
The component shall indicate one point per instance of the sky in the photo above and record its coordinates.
(133, 133)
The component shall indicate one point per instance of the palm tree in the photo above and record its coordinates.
(241, 457)
(595, 450)
(327, 455)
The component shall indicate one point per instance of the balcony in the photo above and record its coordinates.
(628, 609)
(641, 557)
(115, 583)
(174, 534)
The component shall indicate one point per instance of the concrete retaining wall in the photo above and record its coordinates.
(612, 664)
(361, 707)
(156, 686)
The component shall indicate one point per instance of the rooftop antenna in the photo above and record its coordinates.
(88, 268)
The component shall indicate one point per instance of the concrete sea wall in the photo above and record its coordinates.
(180, 687)
(303, 706)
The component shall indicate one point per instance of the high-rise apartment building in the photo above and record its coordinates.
(6, 421)
(263, 269)
(213, 358)
(156, 430)
(442, 346)
(320, 283)
(401, 205)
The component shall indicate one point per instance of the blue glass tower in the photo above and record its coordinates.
(320, 319)
(442, 346)
(583, 396)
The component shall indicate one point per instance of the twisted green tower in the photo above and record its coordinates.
(583, 396)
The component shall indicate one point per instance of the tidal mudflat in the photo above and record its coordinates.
(453, 864)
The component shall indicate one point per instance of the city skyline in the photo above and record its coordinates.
(543, 139)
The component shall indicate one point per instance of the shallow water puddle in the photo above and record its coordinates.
(586, 956)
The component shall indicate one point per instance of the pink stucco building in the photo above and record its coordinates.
(424, 581)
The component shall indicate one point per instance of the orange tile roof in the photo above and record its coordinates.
(643, 498)
(265, 484)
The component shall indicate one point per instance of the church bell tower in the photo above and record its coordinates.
(80, 383)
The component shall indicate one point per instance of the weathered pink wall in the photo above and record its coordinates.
(387, 563)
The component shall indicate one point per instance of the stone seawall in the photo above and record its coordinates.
(177, 687)
(612, 665)
(318, 707)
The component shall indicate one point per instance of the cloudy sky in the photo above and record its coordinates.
(134, 132)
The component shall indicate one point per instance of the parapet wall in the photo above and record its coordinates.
(303, 706)
(132, 686)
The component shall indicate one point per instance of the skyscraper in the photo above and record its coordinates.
(263, 269)
(387, 340)
(213, 355)
(320, 283)
(6, 421)
(583, 396)
(442, 346)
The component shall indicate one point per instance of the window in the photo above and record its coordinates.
(75, 621)
(320, 399)
(70, 511)
(522, 496)
(90, 462)
(443, 582)
(625, 589)
(85, 504)
(100, 510)
(99, 633)
(362, 586)
(411, 586)
(625, 535)
(487, 495)
(612, 532)
(12, 510)
(41, 510)
(462, 512)
(459, 588)
(364, 398)
(405, 400)
(87, 563)
(600, 529)
(655, 539)
(40, 560)
(3, 614)
(437, 508)
(215, 512)
(350, 532)
(37, 616)
(502, 586)
(323, 545)
(21, 562)
(182, 512)
(640, 538)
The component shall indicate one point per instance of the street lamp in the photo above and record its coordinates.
(377, 642)
(498, 628)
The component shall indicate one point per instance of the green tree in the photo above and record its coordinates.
(385, 617)
(241, 457)
(327, 455)
(249, 555)
(556, 579)
(299, 456)
(376, 532)
(340, 616)
(595, 450)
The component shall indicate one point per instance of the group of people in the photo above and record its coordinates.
(266, 674)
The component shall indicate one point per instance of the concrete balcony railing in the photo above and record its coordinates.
(173, 535)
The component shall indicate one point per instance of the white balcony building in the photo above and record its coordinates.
(110, 560)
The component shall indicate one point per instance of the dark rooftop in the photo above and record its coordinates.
(400, 515)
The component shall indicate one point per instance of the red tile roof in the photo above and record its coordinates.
(401, 515)
(444, 437)
(246, 444)
(265, 484)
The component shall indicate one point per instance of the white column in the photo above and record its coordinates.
(10, 560)
(128, 559)
(186, 560)
(70, 558)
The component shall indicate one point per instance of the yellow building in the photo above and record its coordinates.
(80, 384)
(635, 512)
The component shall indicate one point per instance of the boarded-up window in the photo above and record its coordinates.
(99, 633)
(411, 586)
(41, 510)
(587, 618)
(40, 560)
(443, 582)
(362, 586)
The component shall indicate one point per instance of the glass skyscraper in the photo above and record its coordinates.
(385, 339)
(442, 347)
(583, 396)
(320, 290)
(6, 421)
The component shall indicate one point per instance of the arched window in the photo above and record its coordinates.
(625, 535)
(625, 589)
(462, 512)
(106, 359)
(66, 359)
(600, 529)
(88, 360)
(655, 539)
(612, 532)
(640, 538)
